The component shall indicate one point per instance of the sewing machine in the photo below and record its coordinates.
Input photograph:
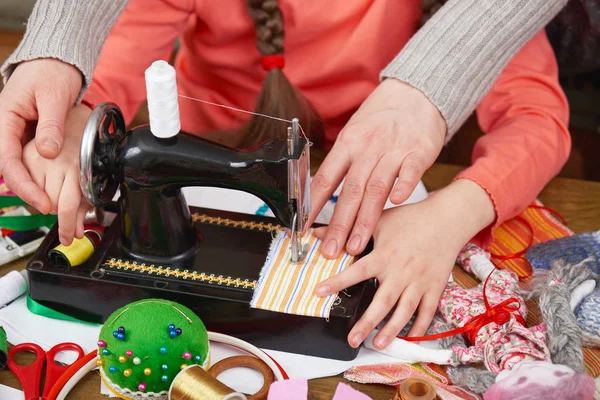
(208, 260)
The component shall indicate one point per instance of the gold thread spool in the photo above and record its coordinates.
(415, 389)
(194, 383)
(75, 254)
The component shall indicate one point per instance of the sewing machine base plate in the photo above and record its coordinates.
(217, 284)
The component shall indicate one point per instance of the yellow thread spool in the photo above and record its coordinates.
(73, 255)
(415, 389)
(194, 383)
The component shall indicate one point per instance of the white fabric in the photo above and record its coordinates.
(584, 289)
(410, 352)
(8, 393)
(242, 202)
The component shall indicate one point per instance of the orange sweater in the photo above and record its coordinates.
(334, 53)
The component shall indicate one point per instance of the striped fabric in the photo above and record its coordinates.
(290, 288)
(512, 237)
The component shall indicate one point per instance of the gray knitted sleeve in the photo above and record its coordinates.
(72, 31)
(457, 55)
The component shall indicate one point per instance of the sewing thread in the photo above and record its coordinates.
(194, 383)
(12, 286)
(244, 111)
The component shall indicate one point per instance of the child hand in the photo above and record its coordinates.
(415, 249)
(59, 177)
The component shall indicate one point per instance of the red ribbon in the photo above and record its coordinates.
(500, 314)
(519, 254)
(273, 61)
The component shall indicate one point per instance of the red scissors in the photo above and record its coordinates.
(30, 375)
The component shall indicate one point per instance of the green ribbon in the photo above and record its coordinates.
(23, 222)
(44, 311)
(3, 349)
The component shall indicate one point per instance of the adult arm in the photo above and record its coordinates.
(49, 72)
(72, 31)
(457, 55)
(440, 77)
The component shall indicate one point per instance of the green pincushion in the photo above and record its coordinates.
(156, 339)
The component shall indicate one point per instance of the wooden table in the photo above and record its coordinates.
(577, 201)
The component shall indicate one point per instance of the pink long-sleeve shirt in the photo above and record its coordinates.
(334, 53)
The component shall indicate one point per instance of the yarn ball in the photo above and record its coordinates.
(572, 249)
(139, 356)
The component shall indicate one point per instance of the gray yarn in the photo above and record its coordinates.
(564, 334)
(477, 380)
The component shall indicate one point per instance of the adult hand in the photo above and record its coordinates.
(40, 90)
(396, 133)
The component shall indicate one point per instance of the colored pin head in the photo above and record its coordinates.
(101, 343)
(119, 333)
(173, 331)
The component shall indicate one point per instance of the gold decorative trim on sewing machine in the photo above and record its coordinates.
(261, 226)
(160, 270)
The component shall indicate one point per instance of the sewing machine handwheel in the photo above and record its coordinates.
(105, 126)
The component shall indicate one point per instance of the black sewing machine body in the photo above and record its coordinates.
(208, 260)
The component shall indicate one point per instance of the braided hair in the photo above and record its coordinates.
(278, 97)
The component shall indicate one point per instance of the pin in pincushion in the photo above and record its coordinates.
(144, 345)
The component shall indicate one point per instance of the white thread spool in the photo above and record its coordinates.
(163, 100)
(12, 286)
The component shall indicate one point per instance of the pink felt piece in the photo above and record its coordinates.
(297, 389)
(289, 389)
(346, 392)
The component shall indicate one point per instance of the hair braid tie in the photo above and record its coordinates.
(271, 62)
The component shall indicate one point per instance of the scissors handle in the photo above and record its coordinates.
(53, 370)
(28, 375)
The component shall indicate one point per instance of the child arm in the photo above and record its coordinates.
(525, 117)
(145, 32)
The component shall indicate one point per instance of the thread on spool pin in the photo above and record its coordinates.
(194, 383)
(3, 349)
(415, 389)
(12, 286)
(163, 100)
